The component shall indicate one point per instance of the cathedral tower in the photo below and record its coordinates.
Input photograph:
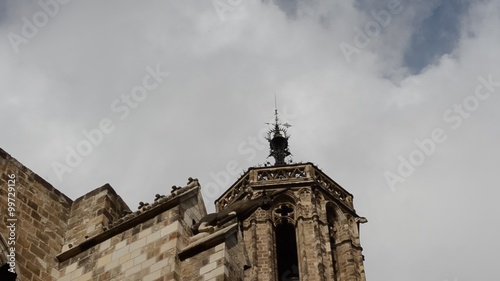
(280, 222)
(308, 230)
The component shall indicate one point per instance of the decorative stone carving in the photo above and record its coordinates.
(284, 213)
(143, 206)
(240, 209)
(192, 182)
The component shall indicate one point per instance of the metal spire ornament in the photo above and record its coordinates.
(278, 139)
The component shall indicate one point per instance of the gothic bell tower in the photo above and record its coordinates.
(308, 230)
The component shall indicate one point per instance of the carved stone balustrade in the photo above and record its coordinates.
(296, 175)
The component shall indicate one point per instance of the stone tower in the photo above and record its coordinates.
(309, 229)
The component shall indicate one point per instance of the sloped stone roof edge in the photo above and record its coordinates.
(132, 220)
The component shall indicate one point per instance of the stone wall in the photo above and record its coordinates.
(136, 249)
(145, 252)
(219, 256)
(42, 213)
(97, 237)
(206, 264)
(92, 212)
(259, 243)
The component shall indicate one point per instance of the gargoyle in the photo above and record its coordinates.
(240, 209)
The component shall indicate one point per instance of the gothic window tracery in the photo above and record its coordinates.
(286, 242)
(284, 213)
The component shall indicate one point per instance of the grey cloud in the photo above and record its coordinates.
(352, 119)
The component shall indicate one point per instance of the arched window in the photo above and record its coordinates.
(5, 273)
(286, 242)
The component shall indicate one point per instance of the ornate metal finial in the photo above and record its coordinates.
(278, 139)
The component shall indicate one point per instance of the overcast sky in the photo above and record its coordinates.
(396, 101)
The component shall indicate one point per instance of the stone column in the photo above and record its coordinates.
(261, 248)
(308, 238)
(350, 258)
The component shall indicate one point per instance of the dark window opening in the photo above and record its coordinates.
(6, 274)
(286, 252)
